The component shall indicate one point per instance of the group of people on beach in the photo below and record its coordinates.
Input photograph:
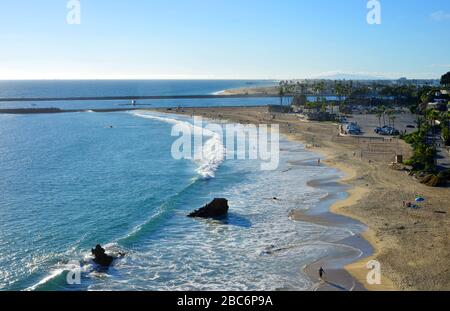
(409, 205)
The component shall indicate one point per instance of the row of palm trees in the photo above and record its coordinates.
(385, 113)
(291, 88)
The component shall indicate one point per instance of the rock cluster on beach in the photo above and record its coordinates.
(100, 256)
(217, 208)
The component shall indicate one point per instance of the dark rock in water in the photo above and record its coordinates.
(100, 256)
(217, 208)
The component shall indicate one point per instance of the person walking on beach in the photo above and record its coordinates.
(318, 162)
(321, 273)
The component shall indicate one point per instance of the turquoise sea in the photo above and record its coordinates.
(70, 181)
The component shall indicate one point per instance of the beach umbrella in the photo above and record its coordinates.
(419, 199)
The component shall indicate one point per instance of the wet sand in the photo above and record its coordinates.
(412, 246)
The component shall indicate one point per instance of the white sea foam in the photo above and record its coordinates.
(262, 249)
(51, 276)
(85, 266)
(219, 92)
(56, 272)
(213, 149)
(213, 155)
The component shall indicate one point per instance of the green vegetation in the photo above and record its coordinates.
(444, 119)
(423, 159)
(281, 92)
(431, 124)
(423, 156)
(445, 80)
(428, 126)
(446, 135)
(424, 148)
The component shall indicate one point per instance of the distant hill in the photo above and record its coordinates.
(344, 76)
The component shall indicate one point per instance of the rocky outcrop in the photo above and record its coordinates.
(217, 208)
(100, 257)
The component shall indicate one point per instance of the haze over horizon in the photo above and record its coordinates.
(201, 39)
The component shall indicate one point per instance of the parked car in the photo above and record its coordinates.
(352, 129)
(386, 131)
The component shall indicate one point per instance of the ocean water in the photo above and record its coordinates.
(70, 181)
(18, 89)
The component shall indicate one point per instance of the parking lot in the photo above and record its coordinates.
(368, 122)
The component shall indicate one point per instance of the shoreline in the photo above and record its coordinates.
(336, 266)
(343, 273)
(357, 269)
(412, 246)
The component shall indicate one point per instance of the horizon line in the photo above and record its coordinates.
(214, 79)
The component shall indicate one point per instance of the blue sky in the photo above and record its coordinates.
(231, 39)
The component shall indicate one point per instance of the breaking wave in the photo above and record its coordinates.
(213, 151)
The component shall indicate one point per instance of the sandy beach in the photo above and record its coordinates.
(412, 246)
(267, 90)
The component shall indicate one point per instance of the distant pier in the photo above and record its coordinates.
(57, 110)
(119, 98)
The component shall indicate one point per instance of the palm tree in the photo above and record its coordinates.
(448, 120)
(281, 92)
(390, 113)
(290, 89)
(303, 88)
(445, 80)
(445, 122)
(393, 120)
(379, 114)
(339, 90)
(419, 123)
(321, 89)
(347, 90)
(433, 115)
(298, 87)
(317, 88)
(383, 111)
(448, 126)
(445, 118)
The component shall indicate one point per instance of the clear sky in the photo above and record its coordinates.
(231, 39)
